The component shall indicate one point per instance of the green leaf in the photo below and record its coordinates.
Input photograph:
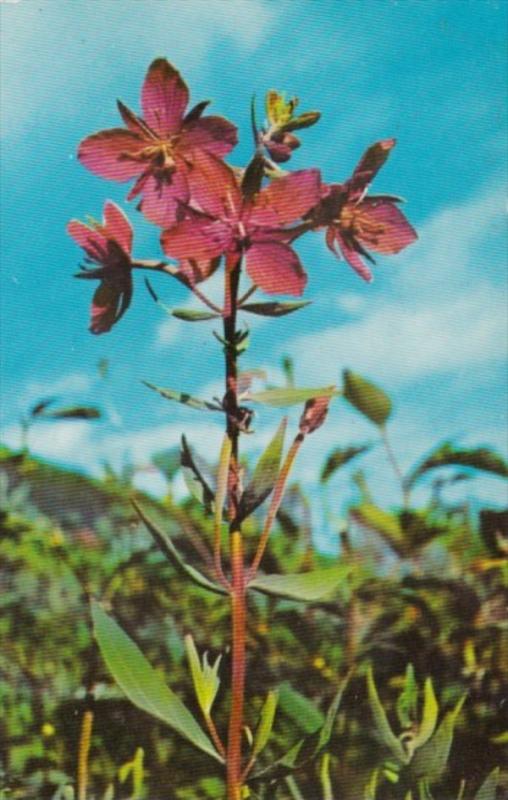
(481, 458)
(382, 726)
(142, 684)
(407, 701)
(302, 711)
(429, 715)
(164, 543)
(307, 586)
(367, 398)
(183, 397)
(191, 315)
(204, 677)
(339, 457)
(194, 479)
(265, 475)
(277, 309)
(430, 760)
(167, 461)
(302, 121)
(291, 396)
(73, 412)
(387, 525)
(265, 725)
(487, 790)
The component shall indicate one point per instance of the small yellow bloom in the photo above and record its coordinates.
(48, 729)
(319, 662)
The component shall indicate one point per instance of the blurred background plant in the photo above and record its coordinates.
(419, 623)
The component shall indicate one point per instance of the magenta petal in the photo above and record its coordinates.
(92, 241)
(286, 199)
(275, 268)
(112, 154)
(164, 97)
(162, 199)
(213, 134)
(213, 186)
(354, 260)
(117, 226)
(369, 165)
(196, 238)
(391, 231)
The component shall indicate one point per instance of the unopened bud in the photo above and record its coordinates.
(314, 414)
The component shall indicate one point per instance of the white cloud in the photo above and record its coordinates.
(74, 383)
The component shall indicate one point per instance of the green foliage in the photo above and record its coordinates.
(277, 309)
(265, 474)
(291, 396)
(308, 586)
(367, 398)
(445, 455)
(184, 398)
(339, 457)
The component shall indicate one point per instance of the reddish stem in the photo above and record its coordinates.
(238, 615)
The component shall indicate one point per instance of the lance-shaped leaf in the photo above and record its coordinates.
(488, 789)
(41, 406)
(265, 475)
(367, 398)
(194, 478)
(383, 729)
(387, 525)
(164, 543)
(72, 412)
(430, 760)
(291, 396)
(275, 309)
(302, 121)
(204, 677)
(142, 684)
(429, 715)
(307, 749)
(304, 713)
(407, 701)
(265, 724)
(183, 397)
(192, 315)
(339, 457)
(481, 458)
(307, 586)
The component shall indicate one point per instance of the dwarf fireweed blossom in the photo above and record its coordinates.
(224, 222)
(357, 223)
(109, 245)
(247, 220)
(158, 148)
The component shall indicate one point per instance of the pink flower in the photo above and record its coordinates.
(158, 148)
(357, 223)
(109, 246)
(226, 223)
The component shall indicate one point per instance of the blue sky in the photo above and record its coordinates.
(431, 329)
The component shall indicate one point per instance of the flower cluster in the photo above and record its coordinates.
(208, 210)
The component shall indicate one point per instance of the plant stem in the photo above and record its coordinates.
(83, 752)
(237, 592)
(395, 465)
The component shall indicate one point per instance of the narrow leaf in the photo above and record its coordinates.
(277, 309)
(430, 760)
(204, 677)
(41, 406)
(73, 412)
(487, 790)
(191, 315)
(429, 715)
(302, 121)
(366, 397)
(307, 586)
(183, 397)
(408, 699)
(265, 474)
(339, 457)
(265, 724)
(142, 684)
(194, 478)
(385, 524)
(302, 711)
(164, 543)
(383, 729)
(480, 458)
(291, 396)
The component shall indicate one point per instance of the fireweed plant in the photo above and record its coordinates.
(244, 222)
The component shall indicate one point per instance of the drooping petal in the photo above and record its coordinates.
(214, 134)
(275, 268)
(162, 198)
(385, 229)
(164, 97)
(286, 199)
(104, 308)
(353, 259)
(369, 165)
(112, 154)
(93, 242)
(197, 238)
(117, 226)
(213, 186)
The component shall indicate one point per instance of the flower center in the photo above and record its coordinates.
(355, 221)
